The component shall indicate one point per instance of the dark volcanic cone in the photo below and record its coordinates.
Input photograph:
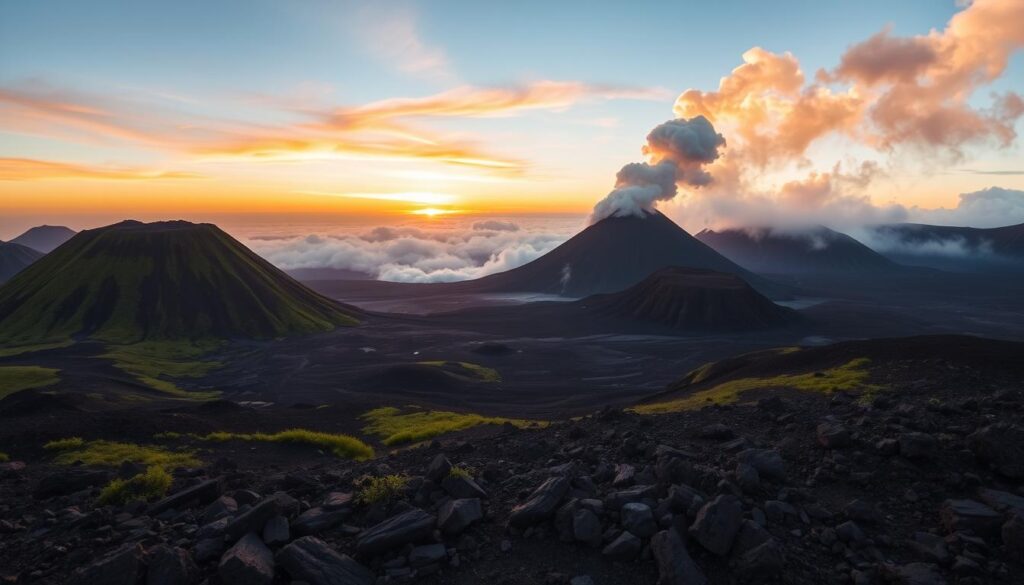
(169, 280)
(692, 299)
(45, 238)
(14, 258)
(816, 251)
(609, 256)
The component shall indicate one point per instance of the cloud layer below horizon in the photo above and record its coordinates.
(413, 254)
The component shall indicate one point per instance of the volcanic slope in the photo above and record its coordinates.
(692, 299)
(45, 238)
(818, 250)
(612, 255)
(132, 281)
(14, 258)
(859, 366)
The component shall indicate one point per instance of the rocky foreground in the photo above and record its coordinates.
(923, 485)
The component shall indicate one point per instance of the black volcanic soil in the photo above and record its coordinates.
(878, 491)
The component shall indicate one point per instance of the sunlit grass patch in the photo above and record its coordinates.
(395, 427)
(157, 363)
(149, 485)
(4, 457)
(20, 349)
(467, 370)
(337, 443)
(65, 444)
(459, 472)
(113, 453)
(847, 377)
(384, 489)
(17, 378)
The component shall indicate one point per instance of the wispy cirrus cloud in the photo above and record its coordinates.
(394, 36)
(384, 129)
(26, 169)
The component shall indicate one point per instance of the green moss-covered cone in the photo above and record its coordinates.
(131, 281)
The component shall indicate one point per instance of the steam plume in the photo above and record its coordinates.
(678, 150)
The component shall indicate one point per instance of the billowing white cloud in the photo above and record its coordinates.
(496, 225)
(991, 207)
(410, 254)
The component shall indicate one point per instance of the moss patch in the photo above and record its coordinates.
(17, 378)
(65, 444)
(337, 443)
(395, 427)
(385, 489)
(849, 376)
(157, 364)
(4, 457)
(113, 453)
(149, 485)
(469, 370)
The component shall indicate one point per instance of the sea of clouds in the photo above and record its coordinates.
(440, 251)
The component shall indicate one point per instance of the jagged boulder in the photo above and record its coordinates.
(248, 562)
(717, 524)
(309, 559)
(124, 566)
(396, 531)
(457, 515)
(541, 504)
(675, 566)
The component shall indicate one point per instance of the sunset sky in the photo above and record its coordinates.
(191, 108)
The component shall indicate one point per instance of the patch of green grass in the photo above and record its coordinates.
(149, 485)
(113, 453)
(17, 378)
(459, 472)
(167, 436)
(65, 444)
(18, 350)
(383, 490)
(849, 376)
(467, 370)
(156, 363)
(396, 427)
(337, 443)
(4, 457)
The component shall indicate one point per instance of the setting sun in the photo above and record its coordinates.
(432, 211)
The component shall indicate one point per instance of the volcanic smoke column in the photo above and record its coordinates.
(677, 150)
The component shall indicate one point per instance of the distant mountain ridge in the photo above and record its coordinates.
(14, 258)
(45, 238)
(957, 248)
(817, 250)
(133, 281)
